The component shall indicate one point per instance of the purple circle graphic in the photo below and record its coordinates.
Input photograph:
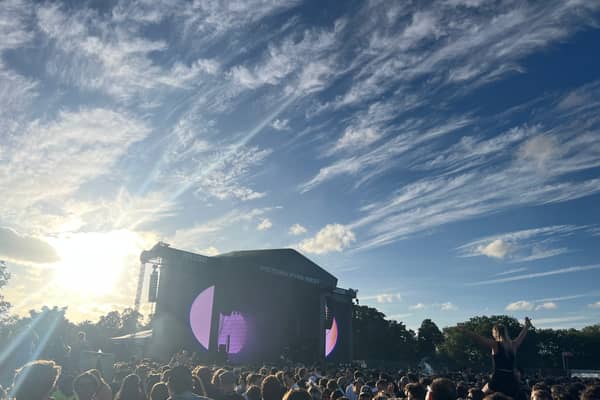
(201, 316)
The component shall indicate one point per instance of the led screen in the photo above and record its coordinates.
(331, 337)
(233, 331)
(201, 315)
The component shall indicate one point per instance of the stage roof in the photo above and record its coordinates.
(283, 262)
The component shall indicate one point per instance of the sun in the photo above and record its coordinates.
(92, 263)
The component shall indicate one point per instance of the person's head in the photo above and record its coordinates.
(415, 391)
(366, 393)
(461, 390)
(381, 385)
(336, 394)
(302, 373)
(591, 392)
(98, 375)
(65, 384)
(35, 380)
(540, 394)
(180, 380)
(475, 394)
(85, 386)
(271, 388)
(315, 393)
(297, 394)
(130, 388)
(441, 389)
(203, 373)
(288, 379)
(159, 391)
(332, 385)
(151, 380)
(227, 382)
(253, 393)
(215, 376)
(500, 333)
(357, 385)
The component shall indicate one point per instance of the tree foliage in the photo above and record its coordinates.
(429, 337)
(376, 338)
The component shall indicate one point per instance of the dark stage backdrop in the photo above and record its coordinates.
(252, 309)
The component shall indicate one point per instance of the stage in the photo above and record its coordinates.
(247, 306)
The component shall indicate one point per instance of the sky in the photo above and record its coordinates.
(442, 157)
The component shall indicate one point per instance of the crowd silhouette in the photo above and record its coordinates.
(183, 378)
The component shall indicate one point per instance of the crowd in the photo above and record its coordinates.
(183, 380)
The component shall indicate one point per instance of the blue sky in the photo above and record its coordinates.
(443, 157)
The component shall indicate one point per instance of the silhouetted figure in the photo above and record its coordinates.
(35, 380)
(504, 355)
(180, 385)
(130, 389)
(86, 386)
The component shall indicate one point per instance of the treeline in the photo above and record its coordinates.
(376, 338)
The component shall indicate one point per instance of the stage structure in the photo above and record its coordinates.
(247, 306)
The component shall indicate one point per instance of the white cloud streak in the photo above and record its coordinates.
(523, 245)
(382, 298)
(560, 271)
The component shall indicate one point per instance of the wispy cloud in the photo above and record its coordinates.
(557, 322)
(383, 297)
(280, 124)
(197, 237)
(50, 160)
(511, 271)
(448, 306)
(524, 245)
(534, 275)
(550, 305)
(399, 316)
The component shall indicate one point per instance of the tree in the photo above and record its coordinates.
(130, 320)
(376, 338)
(429, 337)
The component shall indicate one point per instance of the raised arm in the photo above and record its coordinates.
(517, 342)
(481, 340)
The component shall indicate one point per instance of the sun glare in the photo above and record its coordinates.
(91, 263)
